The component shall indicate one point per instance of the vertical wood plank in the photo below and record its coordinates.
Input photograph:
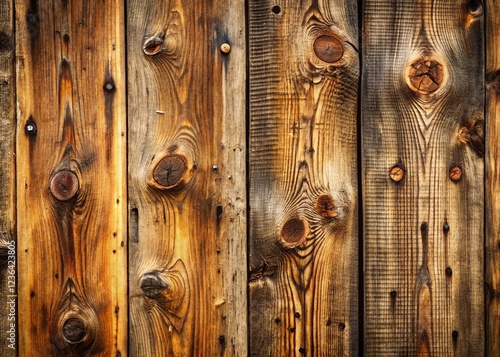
(187, 189)
(492, 247)
(423, 148)
(71, 156)
(304, 73)
(8, 292)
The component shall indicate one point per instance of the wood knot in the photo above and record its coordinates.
(328, 48)
(64, 185)
(325, 206)
(152, 46)
(73, 330)
(455, 173)
(152, 285)
(425, 76)
(396, 174)
(293, 232)
(169, 171)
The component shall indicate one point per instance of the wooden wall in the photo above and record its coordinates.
(264, 178)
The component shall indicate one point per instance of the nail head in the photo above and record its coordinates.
(225, 48)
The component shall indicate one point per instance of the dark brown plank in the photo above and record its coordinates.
(8, 291)
(71, 178)
(187, 192)
(304, 72)
(423, 107)
(492, 169)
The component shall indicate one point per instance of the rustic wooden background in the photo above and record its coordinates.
(264, 178)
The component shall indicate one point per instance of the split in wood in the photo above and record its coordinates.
(64, 185)
(328, 48)
(425, 75)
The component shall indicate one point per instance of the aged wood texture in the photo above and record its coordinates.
(187, 208)
(492, 242)
(303, 260)
(422, 109)
(8, 291)
(71, 176)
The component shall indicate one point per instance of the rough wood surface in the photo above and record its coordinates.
(423, 107)
(492, 247)
(303, 260)
(187, 208)
(8, 292)
(71, 178)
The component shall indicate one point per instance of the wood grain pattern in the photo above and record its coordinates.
(187, 184)
(492, 170)
(8, 322)
(423, 108)
(303, 179)
(71, 178)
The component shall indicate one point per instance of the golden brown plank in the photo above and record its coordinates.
(187, 209)
(8, 291)
(304, 73)
(423, 148)
(492, 248)
(71, 178)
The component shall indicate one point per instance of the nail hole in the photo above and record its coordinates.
(152, 46)
(474, 7)
(276, 9)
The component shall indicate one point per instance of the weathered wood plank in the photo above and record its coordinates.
(492, 170)
(71, 157)
(187, 209)
(303, 180)
(423, 148)
(8, 292)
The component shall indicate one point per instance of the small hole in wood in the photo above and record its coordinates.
(276, 9)
(152, 46)
(474, 7)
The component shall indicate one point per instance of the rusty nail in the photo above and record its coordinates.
(64, 185)
(225, 48)
(328, 49)
(396, 174)
(455, 173)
